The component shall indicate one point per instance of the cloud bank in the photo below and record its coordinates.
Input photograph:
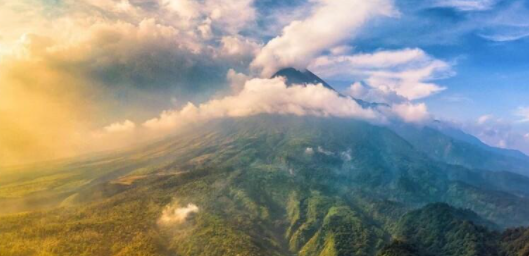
(467, 5)
(70, 67)
(273, 96)
(270, 96)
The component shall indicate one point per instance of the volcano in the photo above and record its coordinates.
(304, 77)
(275, 185)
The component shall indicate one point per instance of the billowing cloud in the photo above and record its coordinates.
(71, 68)
(271, 96)
(174, 215)
(360, 91)
(412, 113)
(331, 22)
(236, 80)
(125, 126)
(239, 46)
(68, 67)
(407, 73)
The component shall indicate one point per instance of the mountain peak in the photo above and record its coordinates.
(303, 77)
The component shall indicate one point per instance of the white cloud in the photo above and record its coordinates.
(523, 113)
(377, 60)
(125, 126)
(187, 10)
(270, 96)
(236, 45)
(231, 15)
(467, 5)
(412, 113)
(502, 144)
(398, 105)
(483, 119)
(341, 50)
(321, 150)
(116, 57)
(357, 90)
(236, 80)
(273, 96)
(407, 73)
(331, 22)
(360, 91)
(173, 215)
(508, 24)
(346, 155)
(504, 36)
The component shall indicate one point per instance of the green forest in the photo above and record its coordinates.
(264, 186)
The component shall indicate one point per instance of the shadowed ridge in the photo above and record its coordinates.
(294, 76)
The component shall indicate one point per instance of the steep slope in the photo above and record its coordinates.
(439, 229)
(439, 141)
(399, 248)
(454, 147)
(263, 185)
(515, 242)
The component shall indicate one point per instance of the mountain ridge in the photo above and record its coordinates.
(268, 184)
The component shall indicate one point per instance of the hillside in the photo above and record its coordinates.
(263, 185)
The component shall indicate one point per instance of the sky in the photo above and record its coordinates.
(80, 76)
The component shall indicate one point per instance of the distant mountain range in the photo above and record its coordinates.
(438, 140)
(276, 185)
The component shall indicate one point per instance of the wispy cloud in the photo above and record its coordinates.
(174, 215)
(407, 73)
(125, 126)
(507, 24)
(270, 96)
(467, 5)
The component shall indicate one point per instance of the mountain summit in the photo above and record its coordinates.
(302, 77)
